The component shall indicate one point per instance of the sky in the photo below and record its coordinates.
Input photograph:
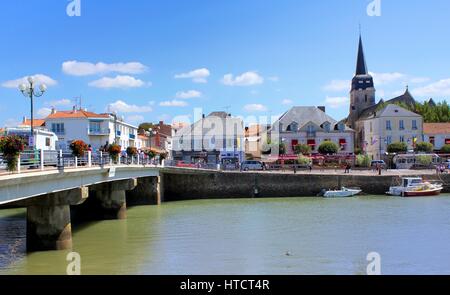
(153, 60)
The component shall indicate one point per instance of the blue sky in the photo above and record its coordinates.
(248, 57)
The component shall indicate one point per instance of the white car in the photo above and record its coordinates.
(252, 166)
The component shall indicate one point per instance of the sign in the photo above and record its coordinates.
(31, 141)
(112, 172)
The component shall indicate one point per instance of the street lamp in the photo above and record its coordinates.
(29, 91)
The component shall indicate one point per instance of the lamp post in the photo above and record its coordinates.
(29, 91)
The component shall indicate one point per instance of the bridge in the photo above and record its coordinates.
(49, 195)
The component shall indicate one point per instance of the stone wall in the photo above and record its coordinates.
(213, 184)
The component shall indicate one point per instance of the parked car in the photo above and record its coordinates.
(253, 166)
(378, 162)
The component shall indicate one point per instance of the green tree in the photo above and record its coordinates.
(302, 149)
(397, 147)
(282, 149)
(363, 161)
(302, 160)
(425, 160)
(446, 149)
(328, 148)
(145, 127)
(425, 147)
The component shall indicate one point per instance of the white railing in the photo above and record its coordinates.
(39, 160)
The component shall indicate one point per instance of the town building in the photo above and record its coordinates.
(97, 130)
(255, 136)
(369, 118)
(311, 126)
(438, 134)
(215, 139)
(390, 124)
(43, 139)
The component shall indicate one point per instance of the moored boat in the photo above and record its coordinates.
(415, 187)
(343, 193)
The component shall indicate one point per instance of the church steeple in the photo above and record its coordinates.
(361, 66)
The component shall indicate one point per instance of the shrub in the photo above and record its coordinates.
(302, 149)
(328, 148)
(302, 160)
(363, 161)
(151, 154)
(132, 151)
(424, 147)
(358, 151)
(424, 160)
(78, 148)
(446, 149)
(398, 147)
(11, 147)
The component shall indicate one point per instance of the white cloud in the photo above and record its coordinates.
(246, 79)
(118, 82)
(337, 102)
(387, 78)
(44, 112)
(255, 108)
(338, 85)
(61, 102)
(135, 119)
(122, 107)
(274, 79)
(436, 89)
(419, 80)
(197, 76)
(76, 68)
(287, 102)
(38, 78)
(188, 94)
(173, 103)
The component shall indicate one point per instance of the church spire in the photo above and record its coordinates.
(361, 67)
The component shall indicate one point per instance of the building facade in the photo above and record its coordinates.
(388, 125)
(311, 126)
(97, 130)
(438, 134)
(215, 139)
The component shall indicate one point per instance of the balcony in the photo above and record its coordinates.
(59, 132)
(99, 132)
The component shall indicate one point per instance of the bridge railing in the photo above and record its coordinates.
(40, 160)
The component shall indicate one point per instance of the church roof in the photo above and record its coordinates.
(361, 66)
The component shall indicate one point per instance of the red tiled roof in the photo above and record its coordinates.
(76, 114)
(36, 122)
(436, 128)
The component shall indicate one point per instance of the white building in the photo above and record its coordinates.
(311, 126)
(388, 125)
(94, 129)
(216, 138)
(438, 134)
(44, 139)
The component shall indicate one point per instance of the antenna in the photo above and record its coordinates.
(227, 108)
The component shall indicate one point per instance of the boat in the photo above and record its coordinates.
(343, 193)
(415, 187)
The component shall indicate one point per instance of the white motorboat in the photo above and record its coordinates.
(343, 193)
(415, 187)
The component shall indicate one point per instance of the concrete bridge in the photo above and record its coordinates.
(49, 195)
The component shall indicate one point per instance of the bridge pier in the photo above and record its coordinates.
(48, 220)
(111, 198)
(149, 191)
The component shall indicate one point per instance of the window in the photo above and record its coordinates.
(312, 143)
(94, 126)
(402, 138)
(58, 128)
(366, 98)
(388, 125)
(432, 140)
(402, 125)
(388, 140)
(293, 127)
(47, 141)
(414, 125)
(447, 141)
(371, 127)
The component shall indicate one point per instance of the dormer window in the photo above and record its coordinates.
(293, 127)
(341, 127)
(327, 126)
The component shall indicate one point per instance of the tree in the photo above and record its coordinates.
(439, 113)
(282, 149)
(425, 147)
(144, 127)
(397, 147)
(363, 161)
(302, 149)
(328, 148)
(302, 160)
(446, 149)
(424, 160)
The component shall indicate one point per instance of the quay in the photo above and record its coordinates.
(53, 198)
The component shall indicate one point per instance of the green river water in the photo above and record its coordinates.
(249, 236)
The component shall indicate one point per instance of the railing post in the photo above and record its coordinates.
(42, 159)
(76, 162)
(89, 159)
(163, 163)
(18, 164)
(101, 160)
(138, 159)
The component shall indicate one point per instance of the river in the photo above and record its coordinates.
(249, 236)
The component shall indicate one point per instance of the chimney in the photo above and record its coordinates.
(24, 119)
(53, 111)
(74, 109)
(161, 123)
(322, 108)
(203, 116)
